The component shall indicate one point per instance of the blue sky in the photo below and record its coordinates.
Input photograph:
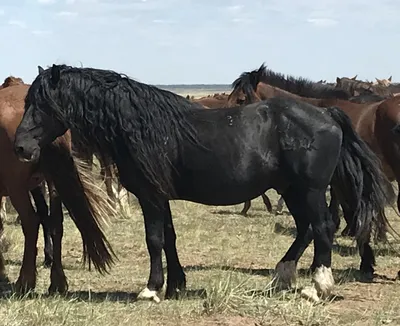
(202, 41)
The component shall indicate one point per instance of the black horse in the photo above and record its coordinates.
(166, 147)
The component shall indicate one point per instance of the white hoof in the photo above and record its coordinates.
(310, 293)
(147, 294)
(285, 274)
(323, 280)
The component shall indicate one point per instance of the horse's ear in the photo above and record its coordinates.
(355, 77)
(337, 80)
(55, 74)
(40, 69)
(390, 78)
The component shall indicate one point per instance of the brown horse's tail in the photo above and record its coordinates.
(86, 204)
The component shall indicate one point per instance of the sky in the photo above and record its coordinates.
(202, 41)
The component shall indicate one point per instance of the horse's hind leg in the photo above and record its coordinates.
(58, 280)
(43, 212)
(247, 205)
(286, 268)
(3, 210)
(267, 202)
(279, 206)
(309, 206)
(30, 226)
(314, 204)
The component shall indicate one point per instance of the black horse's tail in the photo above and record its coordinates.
(359, 182)
(87, 207)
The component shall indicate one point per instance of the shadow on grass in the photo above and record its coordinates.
(7, 291)
(347, 275)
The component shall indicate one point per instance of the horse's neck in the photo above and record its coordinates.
(266, 91)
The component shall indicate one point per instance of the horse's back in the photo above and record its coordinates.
(252, 148)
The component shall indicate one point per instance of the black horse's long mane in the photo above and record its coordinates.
(295, 85)
(115, 114)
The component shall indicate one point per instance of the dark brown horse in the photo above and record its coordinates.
(18, 178)
(374, 122)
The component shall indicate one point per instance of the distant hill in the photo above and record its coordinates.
(197, 89)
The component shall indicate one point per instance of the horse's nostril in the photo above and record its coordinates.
(19, 150)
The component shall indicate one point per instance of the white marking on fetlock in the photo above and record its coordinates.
(310, 293)
(147, 294)
(285, 273)
(323, 280)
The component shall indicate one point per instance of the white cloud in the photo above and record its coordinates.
(46, 2)
(241, 20)
(163, 21)
(322, 22)
(235, 8)
(18, 23)
(39, 32)
(67, 14)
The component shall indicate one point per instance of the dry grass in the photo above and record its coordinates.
(228, 255)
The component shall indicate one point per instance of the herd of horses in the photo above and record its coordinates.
(272, 131)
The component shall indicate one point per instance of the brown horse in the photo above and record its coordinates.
(374, 122)
(18, 178)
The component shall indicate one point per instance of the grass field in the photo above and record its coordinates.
(230, 256)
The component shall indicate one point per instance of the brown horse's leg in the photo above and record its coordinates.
(43, 211)
(30, 226)
(3, 275)
(267, 202)
(58, 280)
(247, 205)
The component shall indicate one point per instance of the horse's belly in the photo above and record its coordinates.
(225, 191)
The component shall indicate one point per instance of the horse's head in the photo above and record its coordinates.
(342, 82)
(12, 81)
(245, 88)
(383, 82)
(40, 124)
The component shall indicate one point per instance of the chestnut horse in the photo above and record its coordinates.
(374, 122)
(18, 178)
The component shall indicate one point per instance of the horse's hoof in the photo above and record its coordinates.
(173, 294)
(150, 295)
(310, 293)
(22, 287)
(61, 288)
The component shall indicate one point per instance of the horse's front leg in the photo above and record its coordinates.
(176, 279)
(58, 280)
(30, 226)
(154, 215)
